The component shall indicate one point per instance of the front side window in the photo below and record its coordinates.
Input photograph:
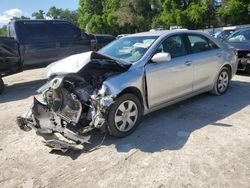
(200, 43)
(130, 49)
(173, 45)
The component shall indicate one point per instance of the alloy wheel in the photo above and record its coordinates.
(223, 81)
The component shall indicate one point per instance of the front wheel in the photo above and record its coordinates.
(222, 83)
(124, 115)
(1, 86)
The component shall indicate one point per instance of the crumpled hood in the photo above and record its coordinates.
(72, 64)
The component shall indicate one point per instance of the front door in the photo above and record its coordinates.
(170, 80)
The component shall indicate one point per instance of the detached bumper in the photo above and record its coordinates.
(50, 126)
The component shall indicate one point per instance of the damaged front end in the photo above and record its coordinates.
(73, 104)
(244, 60)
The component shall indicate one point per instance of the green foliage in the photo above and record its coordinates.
(64, 14)
(39, 15)
(3, 31)
(130, 16)
(235, 12)
(20, 18)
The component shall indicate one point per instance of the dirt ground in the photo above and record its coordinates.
(201, 142)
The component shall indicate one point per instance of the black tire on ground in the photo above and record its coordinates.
(248, 69)
(113, 112)
(1, 86)
(216, 89)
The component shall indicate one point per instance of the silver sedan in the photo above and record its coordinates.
(112, 89)
(166, 67)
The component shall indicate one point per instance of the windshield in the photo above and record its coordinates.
(239, 36)
(224, 34)
(130, 49)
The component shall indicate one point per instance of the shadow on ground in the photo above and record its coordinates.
(20, 91)
(170, 128)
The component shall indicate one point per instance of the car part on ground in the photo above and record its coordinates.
(112, 89)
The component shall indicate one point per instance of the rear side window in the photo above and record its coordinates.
(65, 31)
(35, 32)
(200, 43)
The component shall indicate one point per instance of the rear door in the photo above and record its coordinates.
(69, 39)
(206, 58)
(38, 45)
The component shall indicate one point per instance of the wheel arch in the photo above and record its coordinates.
(229, 67)
(135, 91)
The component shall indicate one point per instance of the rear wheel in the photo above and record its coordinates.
(124, 115)
(1, 86)
(222, 83)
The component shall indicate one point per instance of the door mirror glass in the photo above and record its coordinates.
(161, 57)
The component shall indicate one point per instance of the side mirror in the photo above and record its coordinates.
(161, 57)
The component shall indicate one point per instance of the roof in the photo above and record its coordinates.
(164, 32)
(38, 20)
(230, 28)
(103, 35)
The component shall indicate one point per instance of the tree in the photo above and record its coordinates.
(235, 12)
(88, 9)
(129, 16)
(64, 14)
(3, 30)
(20, 18)
(54, 12)
(197, 15)
(39, 15)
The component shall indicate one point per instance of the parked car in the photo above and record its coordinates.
(113, 88)
(45, 41)
(226, 31)
(104, 39)
(240, 40)
(10, 61)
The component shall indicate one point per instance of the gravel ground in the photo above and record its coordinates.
(201, 142)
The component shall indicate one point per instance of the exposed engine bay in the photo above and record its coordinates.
(244, 60)
(73, 104)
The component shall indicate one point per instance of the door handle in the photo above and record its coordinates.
(188, 63)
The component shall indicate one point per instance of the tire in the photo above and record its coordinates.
(122, 124)
(222, 82)
(1, 86)
(248, 69)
